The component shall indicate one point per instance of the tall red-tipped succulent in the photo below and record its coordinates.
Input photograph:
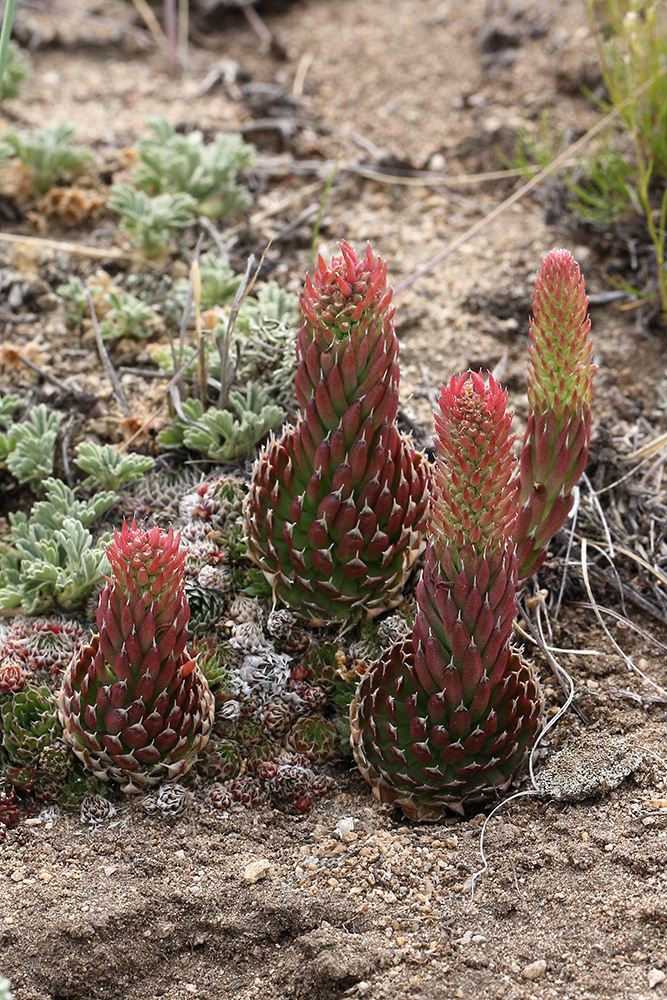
(134, 705)
(337, 505)
(560, 388)
(447, 717)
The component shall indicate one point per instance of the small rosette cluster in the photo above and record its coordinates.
(560, 389)
(446, 718)
(134, 705)
(337, 507)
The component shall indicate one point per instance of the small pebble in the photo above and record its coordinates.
(534, 970)
(655, 976)
(255, 870)
(345, 826)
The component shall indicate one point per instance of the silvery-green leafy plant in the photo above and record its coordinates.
(264, 337)
(128, 316)
(152, 220)
(108, 467)
(52, 559)
(17, 69)
(8, 406)
(27, 448)
(171, 163)
(221, 434)
(48, 154)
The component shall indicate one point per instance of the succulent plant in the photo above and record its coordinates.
(277, 719)
(314, 737)
(446, 717)
(13, 674)
(290, 784)
(29, 723)
(96, 810)
(219, 797)
(247, 791)
(560, 388)
(39, 647)
(134, 705)
(78, 784)
(156, 498)
(219, 760)
(56, 758)
(171, 800)
(207, 608)
(337, 505)
(219, 664)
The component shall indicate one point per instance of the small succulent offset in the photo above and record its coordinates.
(135, 707)
(447, 716)
(560, 389)
(337, 504)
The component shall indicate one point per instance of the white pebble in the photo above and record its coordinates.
(655, 976)
(534, 970)
(255, 870)
(345, 826)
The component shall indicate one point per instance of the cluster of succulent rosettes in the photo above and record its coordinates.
(95, 810)
(34, 761)
(157, 497)
(29, 724)
(446, 717)
(211, 518)
(135, 707)
(286, 780)
(336, 511)
(560, 389)
(170, 800)
(10, 815)
(37, 650)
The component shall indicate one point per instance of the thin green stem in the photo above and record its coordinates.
(320, 213)
(7, 22)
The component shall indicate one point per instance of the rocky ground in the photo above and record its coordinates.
(350, 900)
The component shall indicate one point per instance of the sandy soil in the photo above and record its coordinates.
(574, 904)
